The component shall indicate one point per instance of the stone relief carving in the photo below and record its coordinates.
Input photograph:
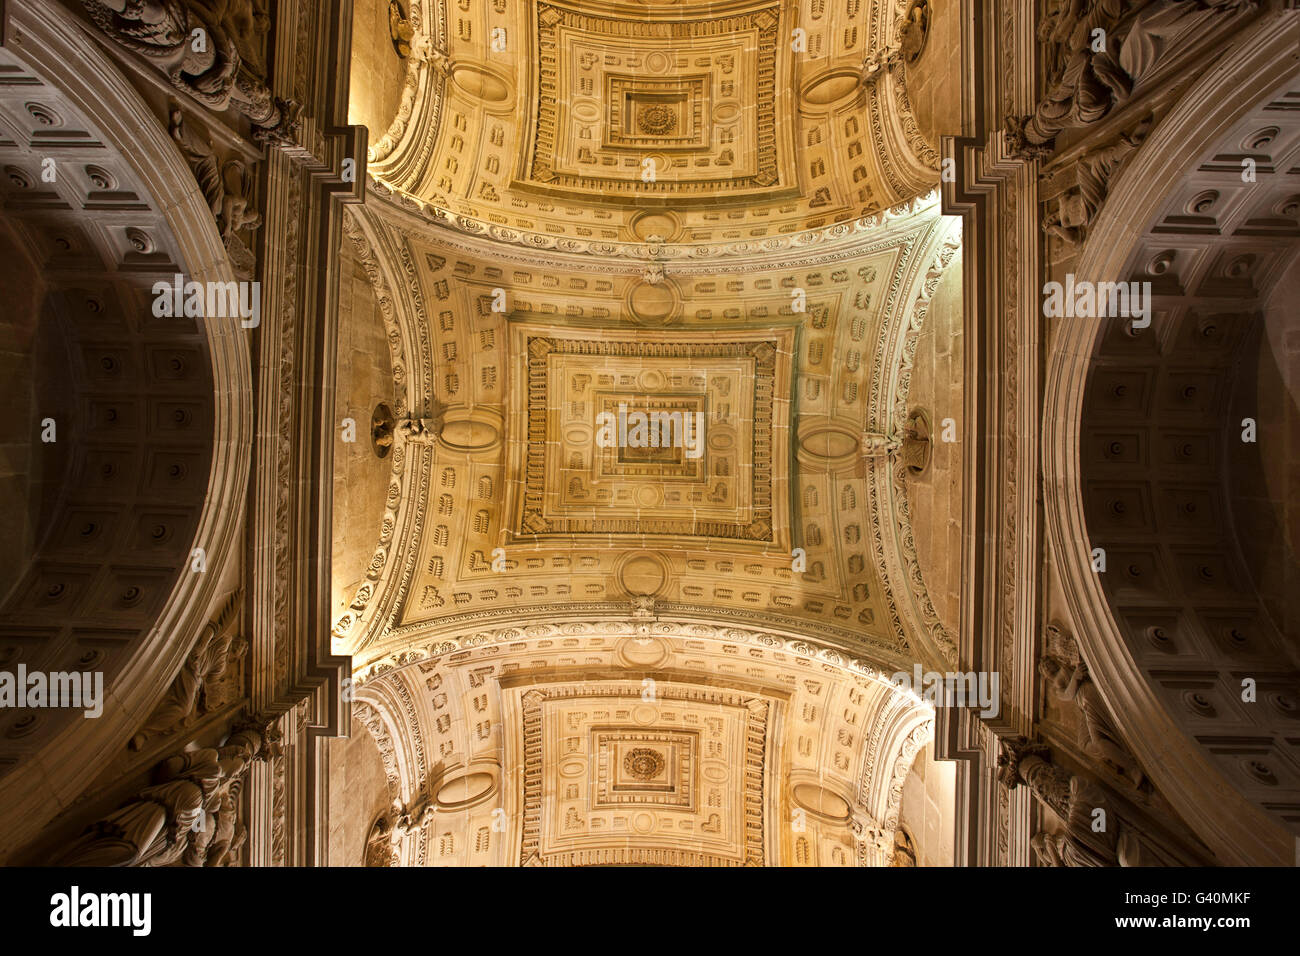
(382, 427)
(915, 449)
(1065, 674)
(211, 49)
(1089, 73)
(1093, 171)
(904, 850)
(228, 189)
(876, 445)
(912, 447)
(425, 429)
(878, 62)
(217, 646)
(914, 30)
(1077, 801)
(400, 30)
(379, 845)
(189, 816)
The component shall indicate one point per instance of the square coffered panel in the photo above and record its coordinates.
(612, 778)
(656, 107)
(660, 114)
(644, 767)
(730, 482)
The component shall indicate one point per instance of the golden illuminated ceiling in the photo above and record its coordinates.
(506, 504)
(586, 123)
(602, 743)
(575, 653)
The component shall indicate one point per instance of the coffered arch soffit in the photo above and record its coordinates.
(1138, 433)
(152, 447)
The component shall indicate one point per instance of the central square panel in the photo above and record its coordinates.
(685, 107)
(648, 434)
(655, 767)
(611, 778)
(665, 114)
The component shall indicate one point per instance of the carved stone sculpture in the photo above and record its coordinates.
(913, 31)
(400, 30)
(904, 853)
(421, 431)
(415, 816)
(211, 49)
(207, 662)
(1066, 674)
(1078, 207)
(1094, 58)
(876, 445)
(379, 845)
(916, 446)
(228, 191)
(877, 64)
(1094, 834)
(189, 816)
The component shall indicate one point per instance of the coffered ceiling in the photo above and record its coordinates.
(505, 503)
(600, 744)
(586, 122)
(575, 653)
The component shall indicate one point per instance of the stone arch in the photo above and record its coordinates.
(1119, 634)
(893, 539)
(139, 607)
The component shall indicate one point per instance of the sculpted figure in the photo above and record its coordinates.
(1089, 80)
(1078, 208)
(188, 816)
(206, 664)
(400, 30)
(1092, 67)
(1076, 800)
(211, 49)
(877, 64)
(876, 445)
(913, 32)
(1066, 675)
(227, 190)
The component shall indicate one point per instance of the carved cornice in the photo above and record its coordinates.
(841, 241)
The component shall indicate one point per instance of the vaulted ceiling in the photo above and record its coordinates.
(721, 209)
(505, 504)
(590, 124)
